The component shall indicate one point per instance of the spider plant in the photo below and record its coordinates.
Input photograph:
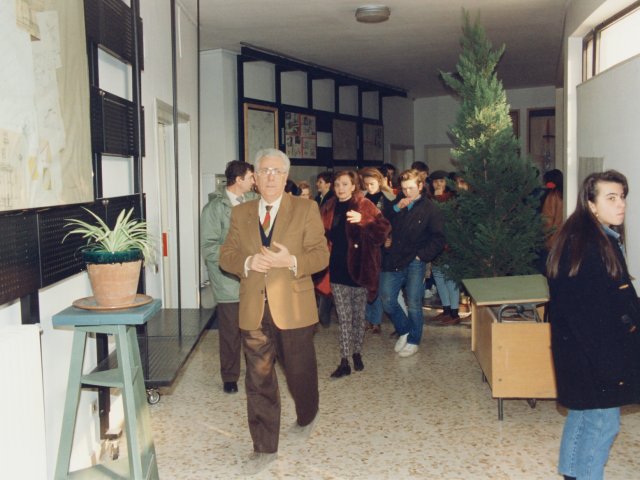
(128, 240)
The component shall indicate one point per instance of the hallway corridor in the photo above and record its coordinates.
(428, 416)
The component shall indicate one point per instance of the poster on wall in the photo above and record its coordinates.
(260, 129)
(300, 135)
(45, 138)
(345, 140)
(373, 145)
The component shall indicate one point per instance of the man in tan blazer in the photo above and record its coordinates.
(274, 244)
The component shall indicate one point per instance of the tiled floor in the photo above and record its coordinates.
(428, 416)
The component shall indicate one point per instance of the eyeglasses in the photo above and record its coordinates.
(263, 172)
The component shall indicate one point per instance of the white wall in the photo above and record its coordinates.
(218, 110)
(157, 85)
(608, 119)
(434, 116)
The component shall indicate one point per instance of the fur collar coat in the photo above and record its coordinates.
(364, 238)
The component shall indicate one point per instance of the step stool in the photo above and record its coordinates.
(128, 376)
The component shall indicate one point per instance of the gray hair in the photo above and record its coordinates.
(271, 152)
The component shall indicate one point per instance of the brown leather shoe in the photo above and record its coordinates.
(376, 329)
(441, 317)
(451, 321)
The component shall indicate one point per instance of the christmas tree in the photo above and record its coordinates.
(493, 229)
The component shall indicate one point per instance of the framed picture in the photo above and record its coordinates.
(345, 140)
(260, 129)
(300, 135)
(373, 144)
(515, 121)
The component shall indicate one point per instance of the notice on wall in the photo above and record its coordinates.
(45, 138)
(300, 135)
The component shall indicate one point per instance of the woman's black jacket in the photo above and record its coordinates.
(595, 334)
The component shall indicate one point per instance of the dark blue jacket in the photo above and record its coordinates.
(595, 334)
(415, 232)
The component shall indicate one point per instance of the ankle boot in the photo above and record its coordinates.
(357, 362)
(342, 370)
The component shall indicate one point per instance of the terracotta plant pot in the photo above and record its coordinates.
(114, 283)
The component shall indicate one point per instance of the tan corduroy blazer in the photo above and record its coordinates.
(291, 297)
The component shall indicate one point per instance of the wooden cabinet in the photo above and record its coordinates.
(514, 354)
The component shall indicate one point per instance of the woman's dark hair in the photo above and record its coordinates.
(582, 227)
(291, 187)
(554, 177)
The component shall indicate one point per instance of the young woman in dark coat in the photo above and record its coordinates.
(382, 197)
(355, 230)
(595, 325)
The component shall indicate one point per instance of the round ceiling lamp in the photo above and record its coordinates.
(373, 13)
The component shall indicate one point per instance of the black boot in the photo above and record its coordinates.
(357, 362)
(342, 370)
(567, 477)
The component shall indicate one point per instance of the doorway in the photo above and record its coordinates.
(179, 258)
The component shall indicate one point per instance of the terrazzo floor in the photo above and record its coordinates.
(428, 416)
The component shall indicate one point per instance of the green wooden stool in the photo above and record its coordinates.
(128, 376)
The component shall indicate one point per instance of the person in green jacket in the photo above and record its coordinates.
(214, 226)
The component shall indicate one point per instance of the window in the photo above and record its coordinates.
(612, 42)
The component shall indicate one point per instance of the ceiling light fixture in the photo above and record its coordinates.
(373, 13)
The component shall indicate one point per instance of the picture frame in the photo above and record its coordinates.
(260, 129)
(345, 140)
(515, 121)
(373, 142)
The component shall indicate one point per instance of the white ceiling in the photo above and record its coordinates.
(420, 38)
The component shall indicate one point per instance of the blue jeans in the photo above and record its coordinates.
(373, 312)
(448, 290)
(412, 279)
(586, 440)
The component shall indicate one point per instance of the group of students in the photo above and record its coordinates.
(380, 243)
(594, 309)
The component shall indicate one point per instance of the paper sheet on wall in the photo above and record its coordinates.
(45, 144)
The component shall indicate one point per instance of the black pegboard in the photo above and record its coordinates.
(19, 259)
(59, 259)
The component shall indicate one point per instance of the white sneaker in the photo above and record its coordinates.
(401, 342)
(408, 350)
(430, 292)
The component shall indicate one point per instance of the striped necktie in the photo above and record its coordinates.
(240, 199)
(266, 223)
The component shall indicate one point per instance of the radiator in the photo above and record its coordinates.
(22, 431)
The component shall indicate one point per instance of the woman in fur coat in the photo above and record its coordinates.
(355, 230)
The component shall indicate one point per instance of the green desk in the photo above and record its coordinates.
(514, 355)
(127, 375)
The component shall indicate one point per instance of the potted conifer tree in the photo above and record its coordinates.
(114, 256)
(493, 229)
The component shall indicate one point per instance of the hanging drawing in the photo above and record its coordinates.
(300, 135)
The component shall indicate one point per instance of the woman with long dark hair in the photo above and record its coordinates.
(355, 230)
(595, 325)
